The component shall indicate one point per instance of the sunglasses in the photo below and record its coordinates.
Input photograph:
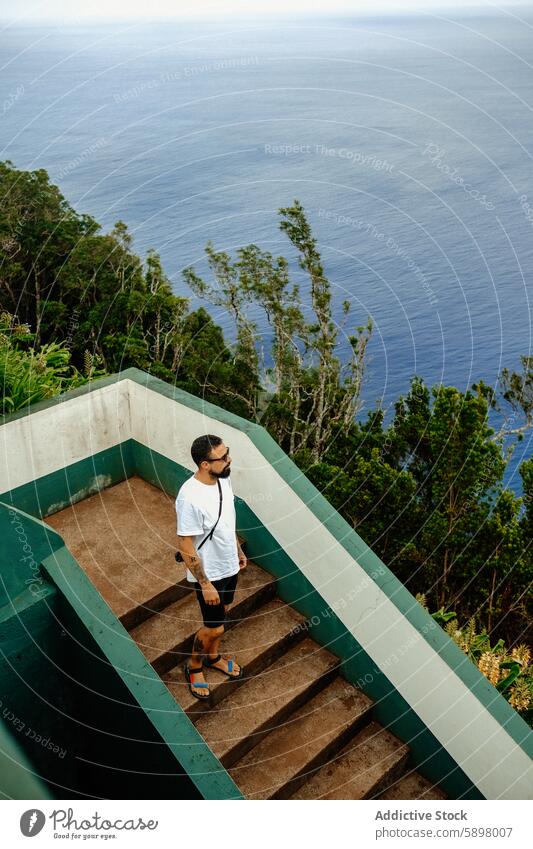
(215, 459)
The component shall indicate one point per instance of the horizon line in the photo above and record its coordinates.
(484, 11)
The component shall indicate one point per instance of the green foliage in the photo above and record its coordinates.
(29, 374)
(426, 493)
(516, 394)
(89, 293)
(526, 472)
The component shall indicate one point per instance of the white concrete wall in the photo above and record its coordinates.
(48, 440)
(476, 741)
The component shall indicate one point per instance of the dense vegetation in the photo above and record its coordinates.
(424, 490)
(88, 291)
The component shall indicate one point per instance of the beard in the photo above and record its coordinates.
(224, 474)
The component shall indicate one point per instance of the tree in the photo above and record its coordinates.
(226, 292)
(471, 545)
(208, 368)
(515, 390)
(526, 521)
(501, 586)
(312, 391)
(335, 398)
(456, 467)
(38, 231)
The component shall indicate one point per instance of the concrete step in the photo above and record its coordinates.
(412, 786)
(239, 722)
(141, 612)
(279, 764)
(166, 638)
(257, 641)
(124, 538)
(370, 762)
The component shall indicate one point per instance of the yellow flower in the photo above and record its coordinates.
(520, 697)
(421, 599)
(489, 665)
(522, 654)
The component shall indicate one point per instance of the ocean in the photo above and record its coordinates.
(408, 140)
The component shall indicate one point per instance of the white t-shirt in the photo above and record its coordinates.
(197, 506)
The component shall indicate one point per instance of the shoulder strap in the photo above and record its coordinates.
(212, 531)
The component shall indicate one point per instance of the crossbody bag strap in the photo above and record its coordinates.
(212, 531)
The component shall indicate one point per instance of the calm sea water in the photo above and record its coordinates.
(409, 142)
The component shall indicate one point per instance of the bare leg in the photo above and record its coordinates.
(215, 644)
(200, 646)
(214, 649)
(203, 640)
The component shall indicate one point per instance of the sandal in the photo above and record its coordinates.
(211, 661)
(188, 673)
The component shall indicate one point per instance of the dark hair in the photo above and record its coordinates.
(201, 447)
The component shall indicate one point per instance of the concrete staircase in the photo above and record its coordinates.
(293, 727)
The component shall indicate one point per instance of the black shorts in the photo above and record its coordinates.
(214, 614)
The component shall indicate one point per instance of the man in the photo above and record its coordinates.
(214, 571)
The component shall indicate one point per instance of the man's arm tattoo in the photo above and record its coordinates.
(193, 562)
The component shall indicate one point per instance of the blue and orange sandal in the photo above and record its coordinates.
(203, 684)
(211, 662)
